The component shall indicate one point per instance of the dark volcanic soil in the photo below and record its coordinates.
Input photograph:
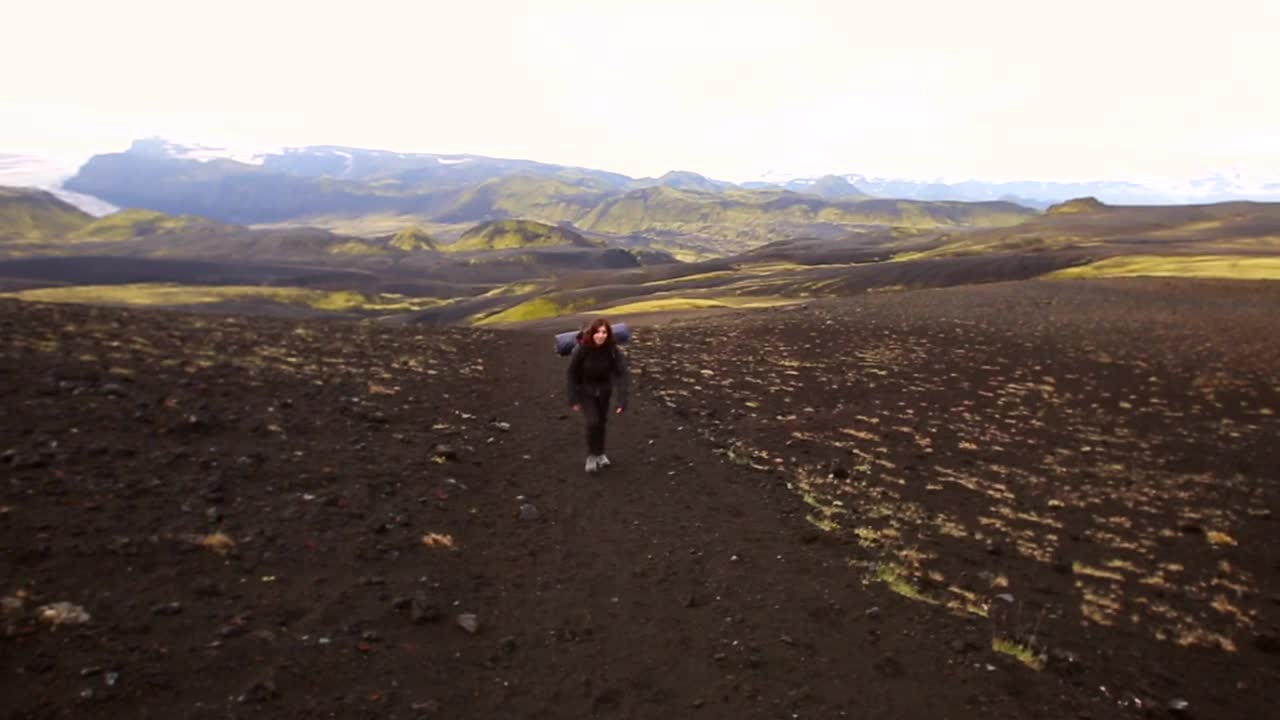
(835, 511)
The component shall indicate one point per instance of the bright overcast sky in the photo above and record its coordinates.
(992, 89)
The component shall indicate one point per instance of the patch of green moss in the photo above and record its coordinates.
(1230, 267)
(896, 579)
(1020, 652)
(163, 294)
(537, 309)
(130, 224)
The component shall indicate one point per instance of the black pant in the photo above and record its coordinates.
(595, 408)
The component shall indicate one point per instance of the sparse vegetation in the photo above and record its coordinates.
(166, 295)
(667, 304)
(1021, 652)
(537, 309)
(1232, 267)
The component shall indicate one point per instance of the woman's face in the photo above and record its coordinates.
(600, 336)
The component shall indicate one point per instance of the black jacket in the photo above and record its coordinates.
(591, 367)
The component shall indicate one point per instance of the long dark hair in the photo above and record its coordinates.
(589, 335)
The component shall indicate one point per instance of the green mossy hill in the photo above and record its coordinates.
(1077, 206)
(147, 233)
(137, 224)
(36, 216)
(667, 209)
(545, 199)
(518, 234)
(412, 239)
(1208, 230)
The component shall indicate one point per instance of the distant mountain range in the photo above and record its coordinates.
(370, 192)
(378, 195)
(362, 165)
(1038, 194)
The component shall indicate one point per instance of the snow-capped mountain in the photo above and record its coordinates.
(1218, 187)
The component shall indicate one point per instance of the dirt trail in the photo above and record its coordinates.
(677, 582)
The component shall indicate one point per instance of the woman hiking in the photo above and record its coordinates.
(596, 365)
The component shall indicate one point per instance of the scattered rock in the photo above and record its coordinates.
(173, 608)
(469, 622)
(10, 606)
(873, 613)
(1180, 707)
(28, 462)
(63, 613)
(423, 610)
(528, 511)
(507, 644)
(444, 452)
(235, 627)
(1064, 662)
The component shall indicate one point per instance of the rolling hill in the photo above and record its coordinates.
(55, 252)
(519, 235)
(37, 216)
(1108, 230)
(601, 249)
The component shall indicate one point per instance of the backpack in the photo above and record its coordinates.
(567, 341)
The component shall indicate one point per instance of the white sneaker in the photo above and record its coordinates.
(592, 464)
(602, 461)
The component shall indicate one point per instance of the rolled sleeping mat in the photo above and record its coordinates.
(567, 341)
